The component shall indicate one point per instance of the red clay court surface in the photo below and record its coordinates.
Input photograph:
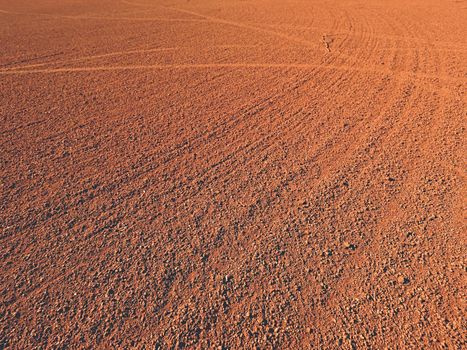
(244, 174)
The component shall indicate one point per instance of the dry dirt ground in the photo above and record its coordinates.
(243, 174)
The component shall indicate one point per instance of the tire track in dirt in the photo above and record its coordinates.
(286, 36)
(120, 18)
(104, 55)
(119, 53)
(452, 46)
(233, 65)
(259, 26)
(247, 26)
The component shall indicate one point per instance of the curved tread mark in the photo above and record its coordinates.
(232, 65)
